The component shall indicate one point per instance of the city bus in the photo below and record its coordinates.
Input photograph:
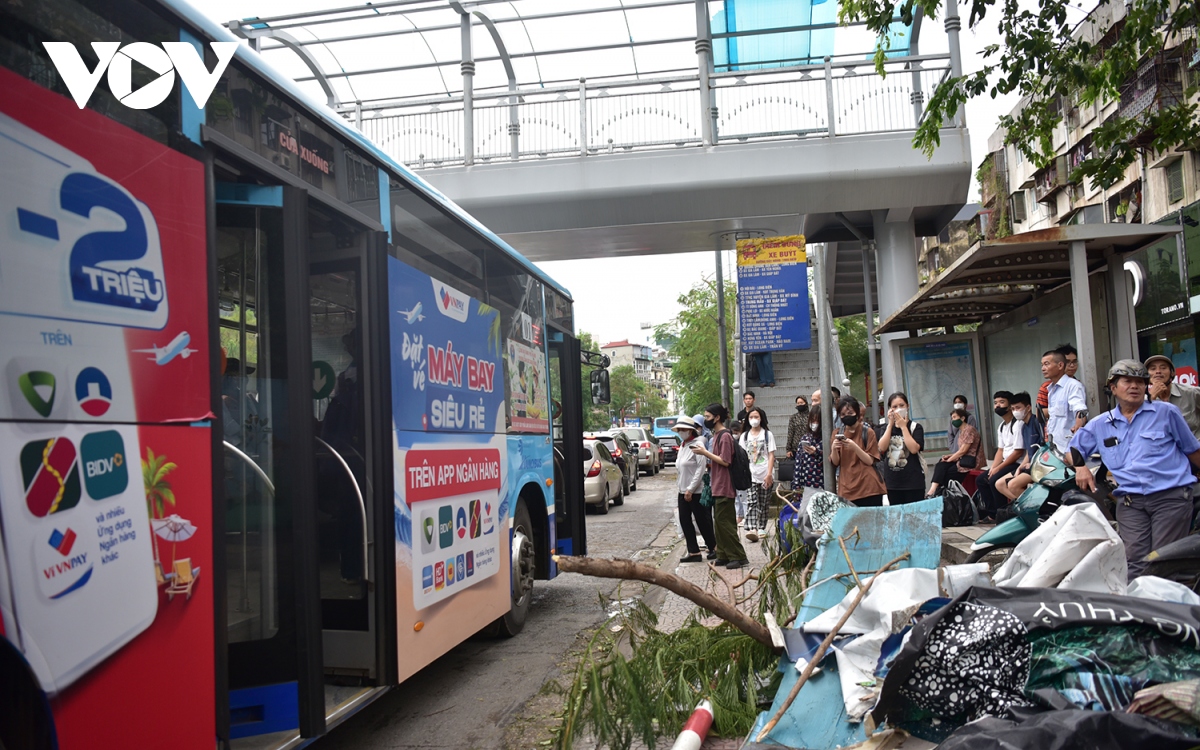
(280, 424)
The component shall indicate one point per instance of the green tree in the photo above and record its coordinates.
(1055, 64)
(852, 341)
(632, 396)
(697, 374)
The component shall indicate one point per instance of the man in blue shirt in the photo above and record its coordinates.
(1151, 453)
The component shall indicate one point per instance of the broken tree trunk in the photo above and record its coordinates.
(631, 571)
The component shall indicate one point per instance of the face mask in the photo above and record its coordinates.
(710, 423)
(801, 408)
(814, 426)
(959, 405)
(850, 420)
(1018, 413)
(754, 422)
(956, 422)
(902, 413)
(1001, 411)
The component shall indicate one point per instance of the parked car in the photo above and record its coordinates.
(670, 448)
(625, 456)
(601, 476)
(649, 459)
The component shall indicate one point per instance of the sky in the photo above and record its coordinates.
(643, 290)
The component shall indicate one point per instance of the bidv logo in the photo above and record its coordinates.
(451, 302)
(166, 61)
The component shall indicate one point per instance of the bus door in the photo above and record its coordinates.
(273, 619)
(351, 449)
(566, 409)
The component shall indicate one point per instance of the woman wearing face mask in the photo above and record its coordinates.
(969, 454)
(691, 466)
(960, 402)
(797, 426)
(854, 451)
(759, 444)
(810, 467)
(903, 440)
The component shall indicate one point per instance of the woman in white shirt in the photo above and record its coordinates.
(759, 444)
(690, 467)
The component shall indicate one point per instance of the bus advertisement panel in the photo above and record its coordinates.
(450, 464)
(105, 490)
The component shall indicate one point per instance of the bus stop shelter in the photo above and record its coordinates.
(998, 276)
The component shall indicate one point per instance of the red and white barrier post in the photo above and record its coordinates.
(696, 728)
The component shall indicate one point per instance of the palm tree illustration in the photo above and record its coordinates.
(158, 490)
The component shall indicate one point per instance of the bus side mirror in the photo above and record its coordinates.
(600, 388)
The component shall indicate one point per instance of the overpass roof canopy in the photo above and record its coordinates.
(393, 53)
(997, 276)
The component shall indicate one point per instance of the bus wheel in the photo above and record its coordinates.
(524, 564)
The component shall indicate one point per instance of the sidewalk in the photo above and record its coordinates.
(675, 609)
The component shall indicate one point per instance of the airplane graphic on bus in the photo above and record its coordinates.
(412, 316)
(164, 354)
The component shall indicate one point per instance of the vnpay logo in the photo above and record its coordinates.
(451, 302)
(166, 60)
(71, 572)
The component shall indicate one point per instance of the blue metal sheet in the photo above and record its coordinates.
(817, 718)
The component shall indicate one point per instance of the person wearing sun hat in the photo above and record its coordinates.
(690, 466)
(1164, 388)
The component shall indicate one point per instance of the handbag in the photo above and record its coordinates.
(706, 498)
(967, 462)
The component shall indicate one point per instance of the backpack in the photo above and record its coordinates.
(882, 453)
(739, 467)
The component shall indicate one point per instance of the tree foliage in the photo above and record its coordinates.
(697, 374)
(852, 341)
(1048, 61)
(632, 396)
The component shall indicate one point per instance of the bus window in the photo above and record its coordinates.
(518, 297)
(424, 237)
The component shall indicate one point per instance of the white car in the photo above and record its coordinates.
(601, 477)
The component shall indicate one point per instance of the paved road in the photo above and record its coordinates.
(471, 696)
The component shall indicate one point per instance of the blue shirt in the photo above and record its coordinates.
(1149, 453)
(1033, 435)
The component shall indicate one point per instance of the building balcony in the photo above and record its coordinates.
(1051, 179)
(1157, 86)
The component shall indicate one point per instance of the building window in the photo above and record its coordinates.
(1175, 182)
(1019, 214)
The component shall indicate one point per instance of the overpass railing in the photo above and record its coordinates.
(836, 98)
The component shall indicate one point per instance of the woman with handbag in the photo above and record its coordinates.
(969, 454)
(691, 467)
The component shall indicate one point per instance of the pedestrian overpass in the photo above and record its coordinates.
(606, 128)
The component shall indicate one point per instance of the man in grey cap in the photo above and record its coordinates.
(1164, 388)
(1152, 456)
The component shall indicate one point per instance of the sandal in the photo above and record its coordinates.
(691, 558)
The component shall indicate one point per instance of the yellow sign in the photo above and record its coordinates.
(766, 251)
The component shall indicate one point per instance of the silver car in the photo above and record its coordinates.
(601, 477)
(650, 458)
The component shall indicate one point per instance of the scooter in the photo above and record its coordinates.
(1053, 486)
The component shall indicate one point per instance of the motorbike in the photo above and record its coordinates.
(1180, 560)
(1053, 486)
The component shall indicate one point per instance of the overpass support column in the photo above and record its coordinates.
(703, 65)
(468, 75)
(896, 277)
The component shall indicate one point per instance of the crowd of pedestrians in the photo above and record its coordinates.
(1150, 442)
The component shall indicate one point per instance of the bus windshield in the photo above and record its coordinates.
(665, 423)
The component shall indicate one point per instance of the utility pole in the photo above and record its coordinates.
(723, 347)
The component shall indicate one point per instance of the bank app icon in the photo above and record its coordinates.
(489, 525)
(63, 568)
(104, 470)
(470, 563)
(93, 391)
(476, 520)
(460, 523)
(38, 387)
(428, 533)
(427, 578)
(445, 526)
(449, 571)
(460, 568)
(439, 576)
(50, 470)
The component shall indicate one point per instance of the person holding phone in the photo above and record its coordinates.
(903, 439)
(854, 451)
(810, 455)
(730, 552)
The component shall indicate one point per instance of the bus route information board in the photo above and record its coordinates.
(773, 294)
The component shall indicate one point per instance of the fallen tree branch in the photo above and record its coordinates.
(846, 553)
(629, 570)
(820, 653)
(728, 586)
